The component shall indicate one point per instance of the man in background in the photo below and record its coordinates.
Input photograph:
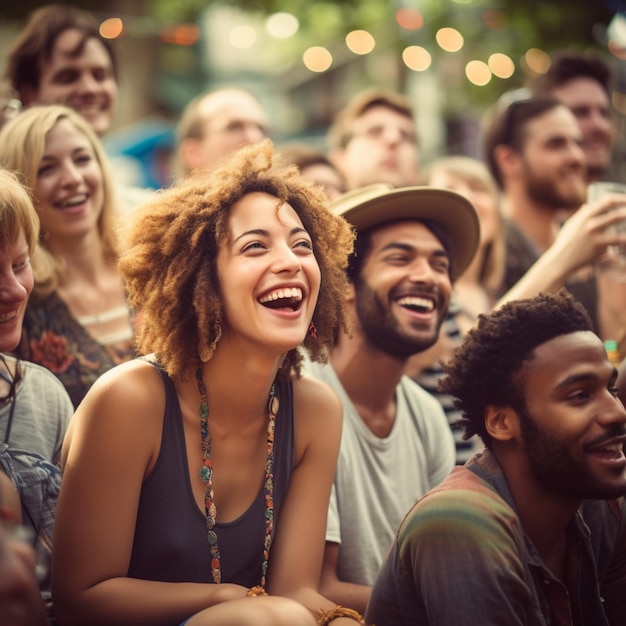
(373, 139)
(214, 124)
(533, 149)
(61, 58)
(582, 83)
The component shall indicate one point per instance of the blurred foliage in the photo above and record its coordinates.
(553, 22)
(508, 26)
(512, 25)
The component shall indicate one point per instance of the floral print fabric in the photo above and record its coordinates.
(53, 338)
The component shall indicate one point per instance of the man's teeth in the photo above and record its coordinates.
(5, 317)
(614, 447)
(417, 303)
(291, 293)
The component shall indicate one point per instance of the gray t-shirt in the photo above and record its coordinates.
(378, 480)
(41, 414)
(36, 420)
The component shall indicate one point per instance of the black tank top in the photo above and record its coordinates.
(170, 542)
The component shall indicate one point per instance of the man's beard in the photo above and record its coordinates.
(556, 470)
(381, 328)
(546, 193)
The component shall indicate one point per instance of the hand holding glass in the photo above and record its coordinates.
(615, 259)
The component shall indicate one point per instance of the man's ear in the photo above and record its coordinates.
(502, 423)
(189, 151)
(507, 160)
(28, 96)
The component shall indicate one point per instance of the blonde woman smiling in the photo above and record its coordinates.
(78, 323)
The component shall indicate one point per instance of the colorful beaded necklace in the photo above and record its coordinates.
(206, 474)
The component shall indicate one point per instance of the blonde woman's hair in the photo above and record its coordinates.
(22, 144)
(473, 170)
(17, 212)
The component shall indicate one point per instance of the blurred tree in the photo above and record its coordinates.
(532, 22)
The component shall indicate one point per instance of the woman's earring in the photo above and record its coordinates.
(206, 353)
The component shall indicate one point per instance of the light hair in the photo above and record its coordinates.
(470, 169)
(22, 144)
(193, 119)
(341, 130)
(17, 212)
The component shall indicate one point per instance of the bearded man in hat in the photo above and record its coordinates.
(411, 244)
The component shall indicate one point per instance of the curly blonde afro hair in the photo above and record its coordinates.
(169, 254)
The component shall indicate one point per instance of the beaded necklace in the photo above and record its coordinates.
(206, 475)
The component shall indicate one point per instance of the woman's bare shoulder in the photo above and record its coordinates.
(314, 393)
(127, 403)
(130, 392)
(132, 381)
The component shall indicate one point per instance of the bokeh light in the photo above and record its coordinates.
(181, 34)
(360, 42)
(619, 102)
(478, 73)
(317, 59)
(449, 39)
(501, 65)
(282, 25)
(409, 19)
(111, 28)
(417, 58)
(537, 60)
(242, 36)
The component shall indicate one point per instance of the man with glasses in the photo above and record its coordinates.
(214, 124)
(373, 139)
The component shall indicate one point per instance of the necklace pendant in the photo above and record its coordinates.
(217, 575)
(212, 511)
(273, 404)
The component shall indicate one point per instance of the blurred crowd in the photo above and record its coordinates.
(287, 347)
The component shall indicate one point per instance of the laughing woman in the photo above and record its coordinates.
(197, 478)
(77, 323)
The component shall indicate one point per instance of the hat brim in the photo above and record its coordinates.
(376, 205)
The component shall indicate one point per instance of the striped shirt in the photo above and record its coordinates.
(462, 557)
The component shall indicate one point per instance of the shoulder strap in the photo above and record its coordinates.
(13, 400)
